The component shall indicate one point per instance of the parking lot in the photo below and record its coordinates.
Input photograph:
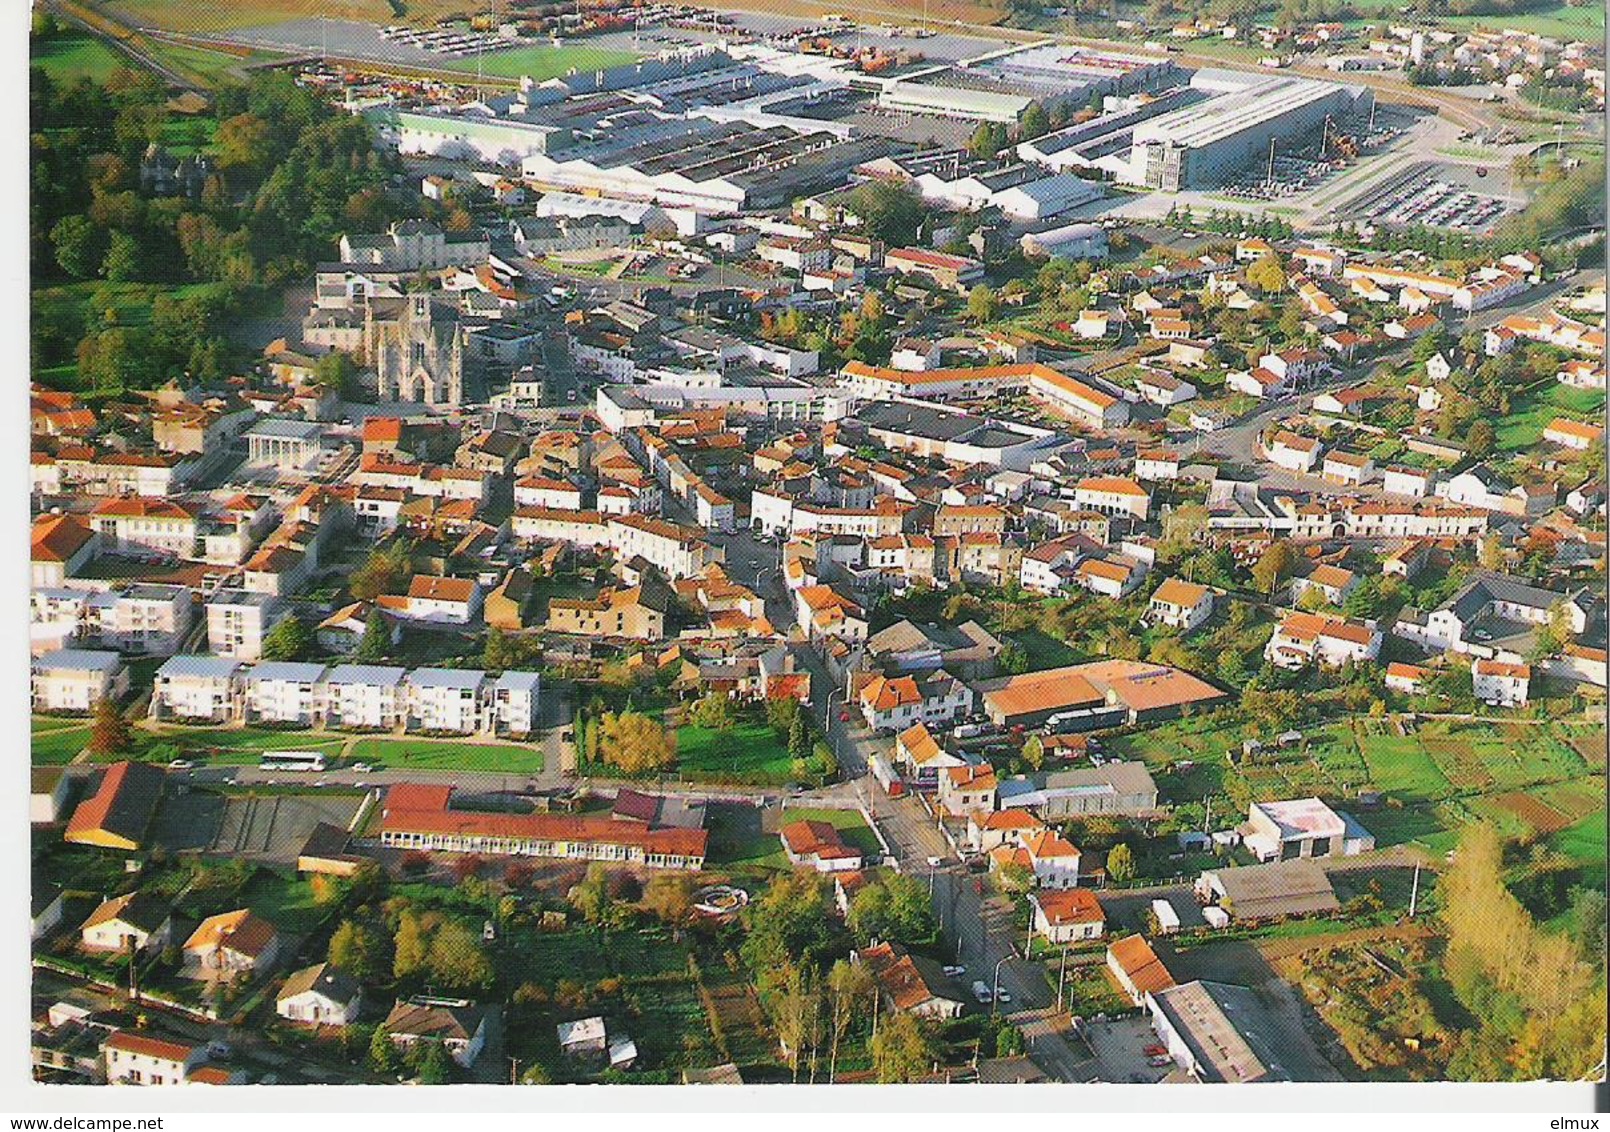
(1458, 197)
(1121, 1047)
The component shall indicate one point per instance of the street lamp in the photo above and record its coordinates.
(995, 985)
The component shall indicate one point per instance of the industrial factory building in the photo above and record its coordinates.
(1001, 86)
(702, 164)
(1204, 145)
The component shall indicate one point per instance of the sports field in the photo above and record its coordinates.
(68, 56)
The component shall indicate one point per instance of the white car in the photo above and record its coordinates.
(1003, 996)
(363, 768)
(181, 764)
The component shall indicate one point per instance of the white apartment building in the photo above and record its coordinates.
(285, 692)
(447, 700)
(515, 703)
(144, 618)
(238, 620)
(369, 696)
(77, 679)
(205, 689)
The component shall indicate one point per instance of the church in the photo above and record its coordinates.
(416, 347)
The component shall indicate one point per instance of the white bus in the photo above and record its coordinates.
(293, 760)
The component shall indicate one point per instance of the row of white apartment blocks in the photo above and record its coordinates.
(145, 618)
(675, 550)
(212, 689)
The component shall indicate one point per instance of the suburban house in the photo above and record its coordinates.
(231, 943)
(459, 1025)
(924, 760)
(912, 984)
(891, 704)
(136, 1058)
(967, 789)
(1068, 915)
(1137, 968)
(1317, 638)
(1050, 858)
(130, 923)
(1500, 684)
(1180, 605)
(322, 995)
(818, 845)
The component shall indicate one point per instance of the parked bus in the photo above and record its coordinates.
(293, 760)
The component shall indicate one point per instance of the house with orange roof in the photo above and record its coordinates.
(988, 831)
(822, 612)
(436, 599)
(1317, 638)
(1573, 434)
(137, 1057)
(231, 943)
(1067, 915)
(60, 546)
(1410, 679)
(1113, 576)
(922, 756)
(964, 790)
(1180, 604)
(1500, 684)
(1136, 968)
(911, 984)
(1113, 495)
(815, 844)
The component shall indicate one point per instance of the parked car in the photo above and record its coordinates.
(955, 972)
(181, 764)
(981, 991)
(1003, 996)
(363, 768)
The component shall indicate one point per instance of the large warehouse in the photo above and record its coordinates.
(1202, 146)
(1000, 87)
(703, 164)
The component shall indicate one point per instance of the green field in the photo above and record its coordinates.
(448, 754)
(540, 62)
(71, 55)
(1523, 427)
(1585, 842)
(53, 748)
(750, 752)
(203, 65)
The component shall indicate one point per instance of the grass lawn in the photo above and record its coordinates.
(54, 748)
(448, 754)
(1044, 651)
(850, 824)
(286, 902)
(543, 61)
(750, 752)
(1400, 766)
(200, 64)
(1523, 427)
(1585, 842)
(69, 56)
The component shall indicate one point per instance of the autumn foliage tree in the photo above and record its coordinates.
(109, 733)
(634, 742)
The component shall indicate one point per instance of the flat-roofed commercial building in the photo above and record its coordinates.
(1204, 145)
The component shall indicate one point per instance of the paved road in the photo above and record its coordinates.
(1239, 441)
